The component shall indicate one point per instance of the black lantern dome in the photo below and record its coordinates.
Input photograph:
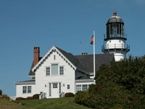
(115, 28)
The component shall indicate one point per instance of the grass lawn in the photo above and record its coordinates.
(57, 103)
(5, 104)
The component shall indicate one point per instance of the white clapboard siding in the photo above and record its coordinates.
(19, 91)
(42, 80)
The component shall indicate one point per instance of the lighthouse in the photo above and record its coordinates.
(114, 40)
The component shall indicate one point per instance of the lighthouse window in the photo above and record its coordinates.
(110, 41)
(119, 41)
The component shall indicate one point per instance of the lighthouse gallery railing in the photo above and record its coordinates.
(115, 46)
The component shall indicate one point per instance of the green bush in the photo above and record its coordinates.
(111, 99)
(29, 98)
(6, 97)
(36, 96)
(122, 85)
(69, 95)
(91, 88)
(20, 98)
(0, 92)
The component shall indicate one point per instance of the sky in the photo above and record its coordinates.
(67, 24)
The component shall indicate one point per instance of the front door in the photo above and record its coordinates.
(55, 90)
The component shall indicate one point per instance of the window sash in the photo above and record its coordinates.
(47, 70)
(61, 70)
(24, 89)
(54, 85)
(68, 86)
(49, 89)
(84, 87)
(54, 69)
(78, 88)
(29, 89)
(59, 88)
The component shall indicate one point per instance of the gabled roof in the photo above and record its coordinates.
(25, 82)
(69, 56)
(84, 62)
(30, 72)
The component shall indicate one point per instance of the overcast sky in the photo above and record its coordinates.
(25, 24)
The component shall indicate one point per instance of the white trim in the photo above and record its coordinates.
(84, 80)
(30, 76)
(24, 83)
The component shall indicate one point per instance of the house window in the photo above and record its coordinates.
(59, 88)
(84, 87)
(54, 85)
(78, 88)
(49, 89)
(47, 70)
(54, 69)
(29, 89)
(61, 70)
(41, 93)
(24, 89)
(68, 86)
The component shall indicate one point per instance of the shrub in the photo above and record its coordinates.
(0, 92)
(17, 102)
(36, 96)
(79, 96)
(69, 95)
(29, 98)
(122, 85)
(78, 93)
(20, 98)
(113, 99)
(6, 97)
(92, 88)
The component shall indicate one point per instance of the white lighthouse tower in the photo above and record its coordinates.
(115, 38)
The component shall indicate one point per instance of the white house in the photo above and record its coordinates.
(59, 72)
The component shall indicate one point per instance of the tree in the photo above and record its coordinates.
(121, 83)
(0, 92)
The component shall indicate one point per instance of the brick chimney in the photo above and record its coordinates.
(84, 53)
(36, 55)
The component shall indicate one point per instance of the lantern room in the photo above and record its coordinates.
(115, 38)
(115, 28)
